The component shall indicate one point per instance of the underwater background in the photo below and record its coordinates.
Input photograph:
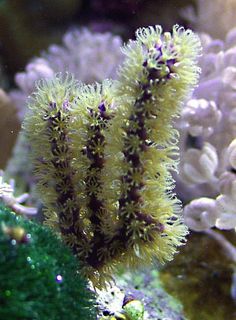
(39, 39)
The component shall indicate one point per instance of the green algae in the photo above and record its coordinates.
(200, 277)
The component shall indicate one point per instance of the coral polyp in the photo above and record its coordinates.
(103, 154)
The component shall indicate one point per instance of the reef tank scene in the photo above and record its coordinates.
(118, 160)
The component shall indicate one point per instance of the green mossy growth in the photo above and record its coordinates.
(201, 277)
(38, 275)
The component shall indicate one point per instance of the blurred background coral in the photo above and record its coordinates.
(40, 37)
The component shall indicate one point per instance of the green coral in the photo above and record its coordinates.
(103, 154)
(39, 277)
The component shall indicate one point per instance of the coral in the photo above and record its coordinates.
(207, 124)
(39, 277)
(103, 154)
(204, 19)
(201, 117)
(10, 200)
(89, 56)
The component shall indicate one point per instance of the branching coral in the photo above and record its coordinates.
(103, 154)
(89, 56)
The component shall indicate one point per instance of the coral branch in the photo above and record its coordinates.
(66, 203)
(107, 152)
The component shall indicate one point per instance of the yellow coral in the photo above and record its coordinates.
(103, 153)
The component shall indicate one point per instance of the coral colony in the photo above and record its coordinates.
(207, 125)
(103, 154)
(88, 56)
(207, 158)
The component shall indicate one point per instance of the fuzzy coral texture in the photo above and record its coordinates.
(104, 173)
(208, 145)
(89, 56)
(207, 123)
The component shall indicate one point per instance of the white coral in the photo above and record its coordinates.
(201, 214)
(208, 131)
(8, 198)
(226, 202)
(200, 117)
(34, 71)
(215, 17)
(231, 154)
(204, 213)
(88, 56)
(200, 165)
